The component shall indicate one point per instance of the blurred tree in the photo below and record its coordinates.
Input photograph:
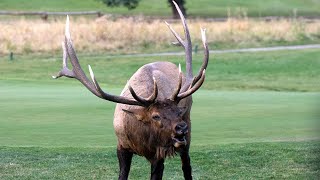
(131, 4)
(174, 10)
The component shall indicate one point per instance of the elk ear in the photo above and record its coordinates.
(138, 113)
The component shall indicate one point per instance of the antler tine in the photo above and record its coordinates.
(104, 95)
(65, 71)
(64, 56)
(154, 95)
(192, 89)
(149, 100)
(197, 80)
(95, 82)
(191, 84)
(184, 23)
(206, 56)
(181, 42)
(177, 90)
(77, 70)
(186, 44)
(79, 74)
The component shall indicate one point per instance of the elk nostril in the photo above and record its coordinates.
(181, 128)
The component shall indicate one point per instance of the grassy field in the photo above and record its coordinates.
(257, 116)
(282, 160)
(205, 8)
(55, 115)
(276, 71)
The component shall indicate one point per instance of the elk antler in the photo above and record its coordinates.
(177, 90)
(93, 86)
(192, 84)
(151, 99)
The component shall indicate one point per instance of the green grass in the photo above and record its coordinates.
(276, 71)
(41, 114)
(59, 131)
(208, 8)
(257, 117)
(291, 160)
(254, 8)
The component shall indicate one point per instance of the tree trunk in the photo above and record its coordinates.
(174, 11)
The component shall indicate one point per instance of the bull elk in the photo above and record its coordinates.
(152, 114)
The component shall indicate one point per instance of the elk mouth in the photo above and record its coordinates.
(179, 141)
(180, 131)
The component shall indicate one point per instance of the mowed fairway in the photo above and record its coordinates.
(64, 115)
(257, 116)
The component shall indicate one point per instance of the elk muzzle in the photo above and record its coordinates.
(179, 135)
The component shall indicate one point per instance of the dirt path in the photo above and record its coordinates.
(263, 49)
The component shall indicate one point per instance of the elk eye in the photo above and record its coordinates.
(156, 117)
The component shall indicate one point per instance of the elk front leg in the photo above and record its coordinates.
(124, 157)
(157, 168)
(186, 167)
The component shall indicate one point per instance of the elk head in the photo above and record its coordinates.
(166, 117)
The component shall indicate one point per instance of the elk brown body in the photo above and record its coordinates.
(149, 131)
(152, 115)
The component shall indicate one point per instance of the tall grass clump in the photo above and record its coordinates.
(135, 35)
